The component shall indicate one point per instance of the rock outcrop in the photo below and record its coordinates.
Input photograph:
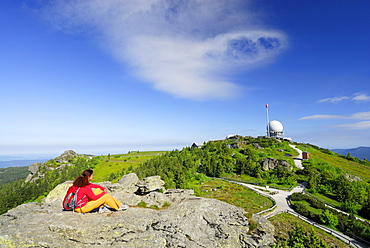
(68, 156)
(33, 169)
(150, 184)
(37, 170)
(188, 221)
(272, 163)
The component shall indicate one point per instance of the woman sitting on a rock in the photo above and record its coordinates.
(90, 196)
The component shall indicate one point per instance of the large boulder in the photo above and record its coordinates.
(195, 222)
(272, 163)
(33, 169)
(149, 184)
(186, 221)
(178, 195)
(128, 182)
(56, 196)
(66, 156)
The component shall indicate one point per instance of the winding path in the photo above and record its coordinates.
(279, 196)
(281, 204)
(298, 159)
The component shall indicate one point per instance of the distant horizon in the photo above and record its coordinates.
(104, 151)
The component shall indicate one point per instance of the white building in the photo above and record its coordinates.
(275, 129)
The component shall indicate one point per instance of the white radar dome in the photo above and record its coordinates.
(275, 126)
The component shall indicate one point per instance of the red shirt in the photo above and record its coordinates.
(85, 193)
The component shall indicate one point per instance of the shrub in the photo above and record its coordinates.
(329, 218)
(142, 204)
(166, 204)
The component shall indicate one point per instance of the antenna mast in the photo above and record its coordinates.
(267, 119)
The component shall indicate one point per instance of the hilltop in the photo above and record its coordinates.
(261, 161)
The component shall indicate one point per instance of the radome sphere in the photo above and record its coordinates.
(275, 126)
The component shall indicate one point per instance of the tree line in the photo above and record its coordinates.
(346, 223)
(11, 174)
(213, 159)
(351, 193)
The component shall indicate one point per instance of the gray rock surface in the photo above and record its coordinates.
(66, 156)
(188, 222)
(272, 163)
(37, 170)
(149, 184)
(257, 145)
(33, 169)
(128, 182)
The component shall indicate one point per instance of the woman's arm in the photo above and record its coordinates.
(90, 194)
(93, 185)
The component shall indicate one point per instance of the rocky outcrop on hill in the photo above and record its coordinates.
(67, 156)
(272, 163)
(33, 169)
(188, 221)
(37, 170)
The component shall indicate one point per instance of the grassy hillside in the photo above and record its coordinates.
(323, 156)
(113, 167)
(233, 194)
(330, 176)
(11, 174)
(285, 223)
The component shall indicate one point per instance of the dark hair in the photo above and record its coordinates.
(83, 180)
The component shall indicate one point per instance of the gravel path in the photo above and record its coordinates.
(280, 197)
(298, 159)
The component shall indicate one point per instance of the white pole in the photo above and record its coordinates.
(267, 120)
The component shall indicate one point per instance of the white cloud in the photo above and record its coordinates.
(184, 48)
(361, 98)
(334, 99)
(360, 116)
(355, 116)
(358, 98)
(357, 125)
(321, 117)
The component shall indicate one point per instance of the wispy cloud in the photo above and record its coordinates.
(361, 98)
(358, 98)
(334, 99)
(357, 125)
(321, 117)
(184, 48)
(360, 116)
(356, 116)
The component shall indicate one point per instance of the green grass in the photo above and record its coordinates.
(285, 222)
(309, 208)
(327, 200)
(351, 167)
(246, 178)
(234, 194)
(277, 151)
(258, 181)
(119, 163)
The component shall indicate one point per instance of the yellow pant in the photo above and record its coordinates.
(104, 200)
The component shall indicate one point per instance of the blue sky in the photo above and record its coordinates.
(112, 76)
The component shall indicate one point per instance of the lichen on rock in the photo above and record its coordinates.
(188, 221)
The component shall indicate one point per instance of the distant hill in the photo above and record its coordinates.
(359, 152)
(11, 174)
(20, 163)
